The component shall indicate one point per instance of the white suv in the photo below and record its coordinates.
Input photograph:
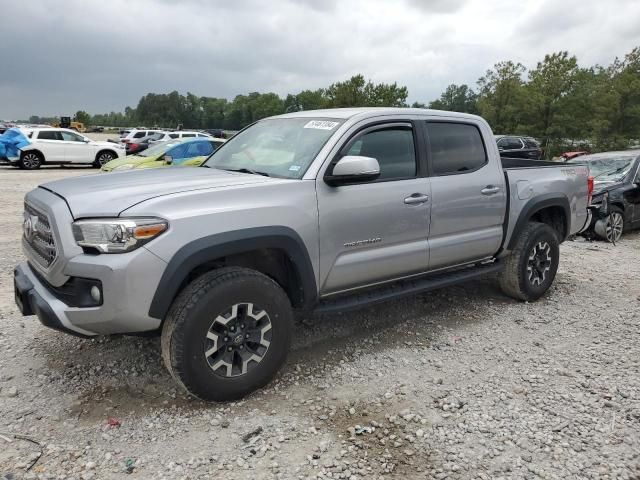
(64, 146)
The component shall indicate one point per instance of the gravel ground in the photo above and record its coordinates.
(460, 383)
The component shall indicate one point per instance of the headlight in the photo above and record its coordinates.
(126, 166)
(117, 235)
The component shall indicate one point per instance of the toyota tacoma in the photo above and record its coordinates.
(317, 211)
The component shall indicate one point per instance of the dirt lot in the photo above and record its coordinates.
(462, 383)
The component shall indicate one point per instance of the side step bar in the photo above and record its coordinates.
(403, 288)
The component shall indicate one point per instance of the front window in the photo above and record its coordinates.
(608, 169)
(278, 147)
(71, 137)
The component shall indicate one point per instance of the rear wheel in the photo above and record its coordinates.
(104, 158)
(532, 265)
(227, 334)
(30, 160)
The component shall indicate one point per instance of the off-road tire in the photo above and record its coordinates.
(30, 160)
(185, 328)
(515, 279)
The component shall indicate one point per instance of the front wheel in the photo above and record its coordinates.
(103, 158)
(610, 228)
(532, 265)
(227, 333)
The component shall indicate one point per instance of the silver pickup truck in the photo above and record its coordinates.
(310, 211)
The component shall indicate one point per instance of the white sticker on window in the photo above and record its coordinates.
(294, 168)
(321, 124)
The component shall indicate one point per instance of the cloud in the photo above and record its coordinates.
(103, 56)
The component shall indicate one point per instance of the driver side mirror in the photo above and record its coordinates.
(168, 159)
(353, 169)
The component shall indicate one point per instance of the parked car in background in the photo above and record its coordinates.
(61, 146)
(134, 134)
(179, 134)
(514, 146)
(190, 152)
(138, 145)
(615, 204)
(214, 132)
(324, 211)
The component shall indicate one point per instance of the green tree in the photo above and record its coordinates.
(501, 96)
(356, 92)
(456, 98)
(549, 99)
(82, 117)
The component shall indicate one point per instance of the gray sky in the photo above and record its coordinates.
(59, 57)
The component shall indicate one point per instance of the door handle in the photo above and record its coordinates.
(490, 190)
(416, 199)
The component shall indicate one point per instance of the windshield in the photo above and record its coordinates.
(157, 149)
(610, 169)
(277, 147)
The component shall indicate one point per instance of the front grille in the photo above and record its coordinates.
(38, 235)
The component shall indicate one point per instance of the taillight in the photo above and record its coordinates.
(589, 187)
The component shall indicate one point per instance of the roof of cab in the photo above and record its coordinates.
(365, 112)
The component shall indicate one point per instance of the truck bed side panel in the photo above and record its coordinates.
(536, 183)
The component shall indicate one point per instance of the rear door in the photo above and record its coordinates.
(51, 145)
(468, 198)
(375, 231)
(76, 150)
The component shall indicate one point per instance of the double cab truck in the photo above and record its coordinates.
(317, 211)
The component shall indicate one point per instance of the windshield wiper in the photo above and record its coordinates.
(246, 170)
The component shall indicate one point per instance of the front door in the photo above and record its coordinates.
(375, 231)
(76, 150)
(633, 197)
(468, 195)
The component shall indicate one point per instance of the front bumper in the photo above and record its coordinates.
(128, 283)
(33, 299)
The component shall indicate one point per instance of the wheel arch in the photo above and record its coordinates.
(33, 150)
(551, 209)
(278, 252)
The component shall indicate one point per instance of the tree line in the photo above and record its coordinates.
(558, 102)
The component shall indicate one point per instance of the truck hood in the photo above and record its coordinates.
(109, 194)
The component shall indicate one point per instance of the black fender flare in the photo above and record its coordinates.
(205, 249)
(535, 205)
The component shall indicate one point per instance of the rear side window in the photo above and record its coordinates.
(455, 148)
(531, 143)
(392, 147)
(188, 135)
(139, 134)
(49, 135)
(174, 135)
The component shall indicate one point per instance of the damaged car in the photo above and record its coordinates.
(615, 205)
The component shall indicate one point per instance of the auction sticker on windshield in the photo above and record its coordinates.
(321, 124)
